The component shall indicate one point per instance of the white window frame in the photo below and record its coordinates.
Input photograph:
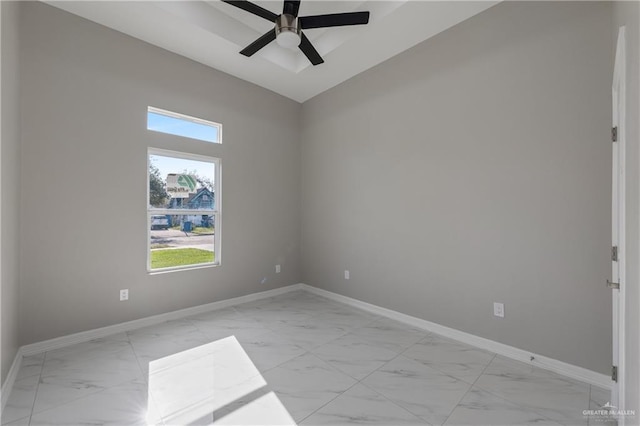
(215, 212)
(185, 117)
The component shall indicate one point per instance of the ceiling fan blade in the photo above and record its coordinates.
(334, 20)
(253, 8)
(259, 43)
(309, 51)
(291, 7)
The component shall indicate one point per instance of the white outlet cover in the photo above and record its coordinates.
(346, 275)
(124, 294)
(277, 269)
(498, 309)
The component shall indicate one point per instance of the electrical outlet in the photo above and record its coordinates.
(346, 275)
(124, 294)
(277, 269)
(498, 309)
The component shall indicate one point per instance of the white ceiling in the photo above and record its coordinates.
(212, 33)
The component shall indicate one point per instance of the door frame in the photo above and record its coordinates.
(618, 205)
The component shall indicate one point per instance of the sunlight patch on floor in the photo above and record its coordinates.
(216, 382)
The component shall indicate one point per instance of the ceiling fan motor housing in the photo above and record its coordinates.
(288, 26)
(288, 31)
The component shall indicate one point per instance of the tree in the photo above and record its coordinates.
(157, 187)
(202, 181)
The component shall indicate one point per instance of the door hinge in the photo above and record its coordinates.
(614, 253)
(614, 373)
(614, 134)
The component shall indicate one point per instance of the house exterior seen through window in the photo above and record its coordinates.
(183, 210)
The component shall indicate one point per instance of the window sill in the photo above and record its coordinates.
(182, 268)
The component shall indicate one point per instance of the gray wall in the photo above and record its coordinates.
(9, 179)
(85, 91)
(628, 14)
(470, 169)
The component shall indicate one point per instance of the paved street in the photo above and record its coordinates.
(178, 239)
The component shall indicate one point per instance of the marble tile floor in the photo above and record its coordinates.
(292, 359)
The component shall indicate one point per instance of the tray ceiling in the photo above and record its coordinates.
(213, 32)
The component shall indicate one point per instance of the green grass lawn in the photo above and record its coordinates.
(159, 246)
(179, 257)
(199, 230)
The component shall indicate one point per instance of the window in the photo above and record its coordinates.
(183, 215)
(173, 123)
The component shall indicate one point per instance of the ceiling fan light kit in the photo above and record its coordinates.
(287, 31)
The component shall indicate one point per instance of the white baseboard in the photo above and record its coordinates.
(537, 360)
(10, 380)
(85, 336)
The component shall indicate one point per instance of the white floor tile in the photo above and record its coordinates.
(30, 366)
(150, 349)
(482, 408)
(457, 359)
(294, 357)
(306, 383)
(242, 328)
(598, 397)
(262, 407)
(552, 395)
(62, 382)
(205, 383)
(360, 405)
(424, 391)
(270, 350)
(309, 334)
(89, 350)
(354, 356)
(20, 402)
(125, 404)
(390, 334)
(20, 422)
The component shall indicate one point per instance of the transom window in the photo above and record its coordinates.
(173, 123)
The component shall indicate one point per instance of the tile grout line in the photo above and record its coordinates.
(309, 352)
(395, 403)
(35, 396)
(442, 371)
(328, 402)
(145, 378)
(530, 409)
(384, 396)
(388, 399)
(76, 398)
(359, 381)
(470, 387)
(269, 329)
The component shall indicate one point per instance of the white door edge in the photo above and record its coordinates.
(618, 220)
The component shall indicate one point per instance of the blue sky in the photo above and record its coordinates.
(181, 127)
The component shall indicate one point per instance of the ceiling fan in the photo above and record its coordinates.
(288, 26)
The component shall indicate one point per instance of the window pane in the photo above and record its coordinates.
(181, 240)
(176, 124)
(176, 183)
